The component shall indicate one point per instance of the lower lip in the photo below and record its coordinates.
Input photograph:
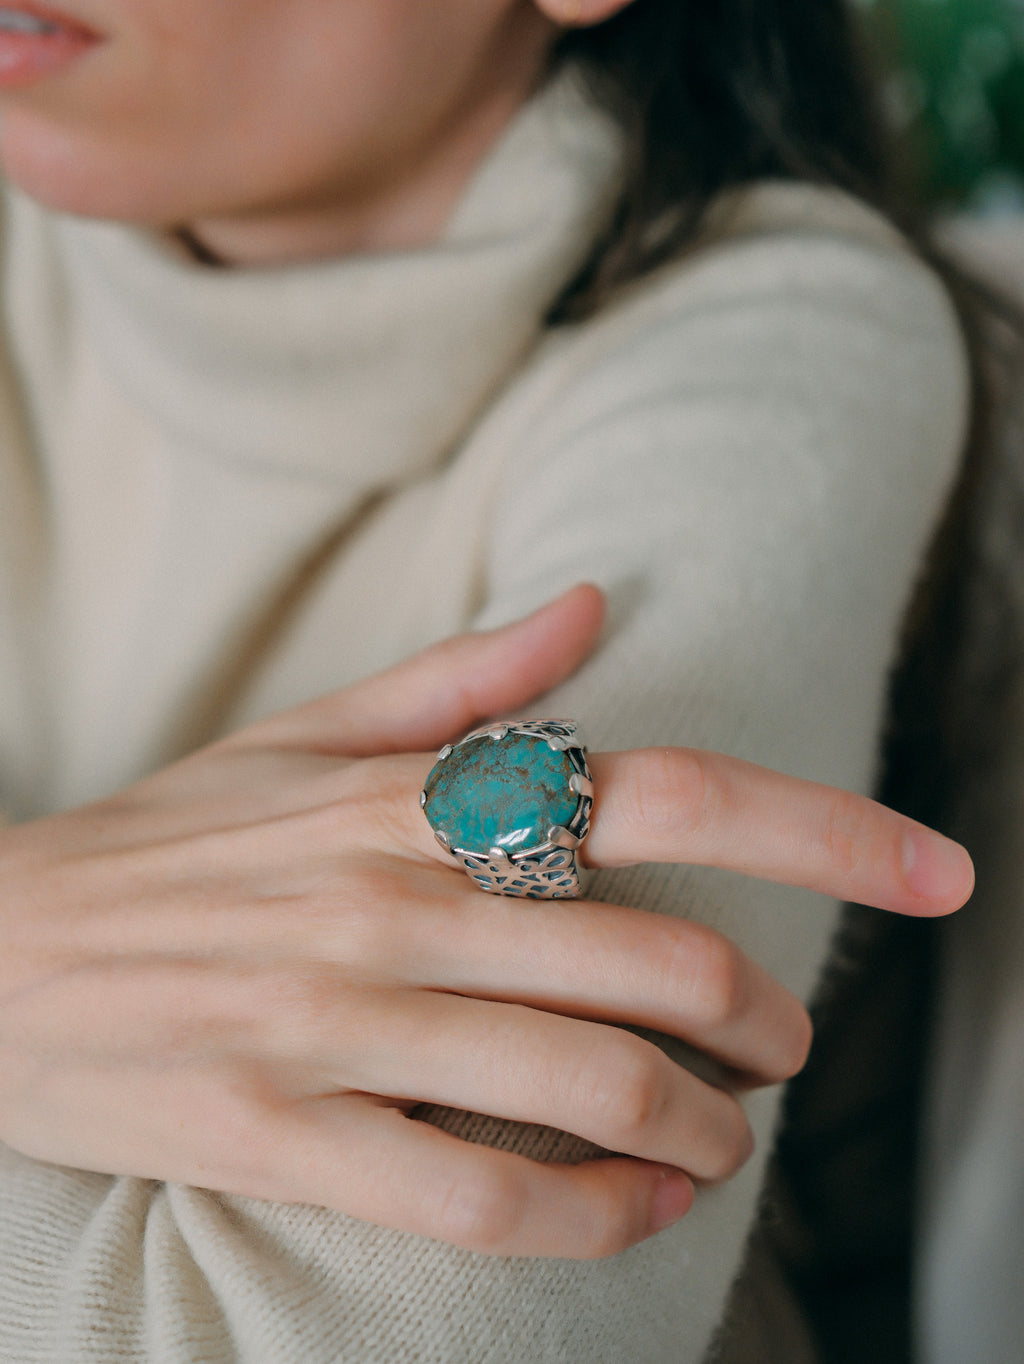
(29, 57)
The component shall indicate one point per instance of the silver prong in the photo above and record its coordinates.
(582, 785)
(446, 752)
(562, 838)
(498, 731)
(500, 856)
(559, 745)
(423, 799)
(443, 839)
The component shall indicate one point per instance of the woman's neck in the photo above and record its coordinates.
(402, 207)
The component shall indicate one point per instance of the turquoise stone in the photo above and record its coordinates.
(500, 793)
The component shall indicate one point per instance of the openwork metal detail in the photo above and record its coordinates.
(552, 876)
(547, 870)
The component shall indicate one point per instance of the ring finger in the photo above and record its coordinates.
(685, 805)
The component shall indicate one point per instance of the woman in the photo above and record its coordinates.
(283, 409)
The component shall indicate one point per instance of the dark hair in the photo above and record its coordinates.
(712, 94)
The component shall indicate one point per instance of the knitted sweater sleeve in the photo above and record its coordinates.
(750, 458)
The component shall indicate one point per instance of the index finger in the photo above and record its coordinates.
(686, 805)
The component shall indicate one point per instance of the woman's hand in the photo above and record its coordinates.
(244, 972)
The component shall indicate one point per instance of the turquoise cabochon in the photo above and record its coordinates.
(500, 793)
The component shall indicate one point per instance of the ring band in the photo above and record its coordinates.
(511, 803)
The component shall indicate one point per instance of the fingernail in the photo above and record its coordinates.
(673, 1198)
(936, 867)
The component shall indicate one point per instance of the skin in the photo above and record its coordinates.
(265, 936)
(277, 131)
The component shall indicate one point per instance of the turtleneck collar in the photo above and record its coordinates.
(364, 370)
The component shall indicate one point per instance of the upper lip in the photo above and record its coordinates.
(48, 14)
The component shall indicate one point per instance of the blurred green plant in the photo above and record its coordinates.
(953, 83)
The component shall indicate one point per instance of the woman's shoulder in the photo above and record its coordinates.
(775, 249)
(795, 300)
(796, 379)
(773, 208)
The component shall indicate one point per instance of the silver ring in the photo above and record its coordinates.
(511, 803)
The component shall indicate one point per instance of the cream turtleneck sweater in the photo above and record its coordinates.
(224, 492)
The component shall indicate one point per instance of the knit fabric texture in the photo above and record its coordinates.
(226, 492)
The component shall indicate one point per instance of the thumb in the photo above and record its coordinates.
(438, 694)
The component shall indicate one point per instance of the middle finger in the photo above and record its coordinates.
(613, 964)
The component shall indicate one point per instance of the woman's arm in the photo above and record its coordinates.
(726, 512)
(265, 939)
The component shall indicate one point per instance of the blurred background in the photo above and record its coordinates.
(954, 86)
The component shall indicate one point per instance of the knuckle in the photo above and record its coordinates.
(677, 792)
(298, 1018)
(481, 1211)
(719, 992)
(842, 834)
(732, 1143)
(364, 810)
(801, 1035)
(242, 1150)
(365, 933)
(618, 1222)
(351, 915)
(624, 1091)
(363, 805)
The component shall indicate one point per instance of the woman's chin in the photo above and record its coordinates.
(70, 175)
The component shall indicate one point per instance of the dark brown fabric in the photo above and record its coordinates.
(828, 1272)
